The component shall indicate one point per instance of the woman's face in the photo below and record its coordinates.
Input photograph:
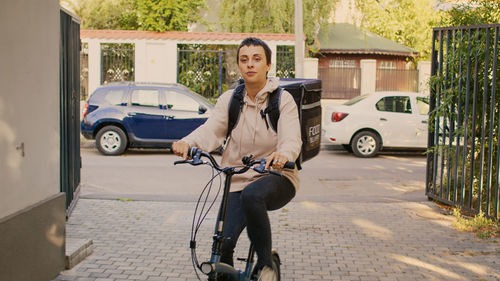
(252, 64)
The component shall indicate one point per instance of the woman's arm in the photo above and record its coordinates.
(212, 133)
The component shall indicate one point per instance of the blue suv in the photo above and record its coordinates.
(142, 115)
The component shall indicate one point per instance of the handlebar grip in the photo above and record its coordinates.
(289, 165)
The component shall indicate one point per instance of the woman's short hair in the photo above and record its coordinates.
(253, 41)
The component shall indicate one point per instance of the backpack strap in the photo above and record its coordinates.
(236, 103)
(234, 109)
(273, 108)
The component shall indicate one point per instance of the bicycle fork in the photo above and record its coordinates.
(214, 266)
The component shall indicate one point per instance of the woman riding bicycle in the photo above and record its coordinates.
(253, 194)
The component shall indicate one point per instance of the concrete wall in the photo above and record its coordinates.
(29, 103)
(29, 141)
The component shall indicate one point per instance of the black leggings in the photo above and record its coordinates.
(249, 208)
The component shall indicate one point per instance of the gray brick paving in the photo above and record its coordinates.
(140, 240)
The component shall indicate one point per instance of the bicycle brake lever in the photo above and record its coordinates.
(197, 161)
(196, 158)
(261, 170)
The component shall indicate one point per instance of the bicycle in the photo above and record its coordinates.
(215, 267)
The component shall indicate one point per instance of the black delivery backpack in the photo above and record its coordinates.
(307, 96)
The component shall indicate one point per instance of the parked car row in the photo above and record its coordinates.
(121, 115)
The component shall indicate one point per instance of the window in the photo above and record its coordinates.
(178, 101)
(423, 105)
(114, 97)
(394, 104)
(356, 100)
(386, 64)
(144, 97)
(336, 63)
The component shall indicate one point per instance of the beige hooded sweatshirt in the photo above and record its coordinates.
(251, 135)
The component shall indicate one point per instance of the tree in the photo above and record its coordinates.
(152, 15)
(275, 16)
(473, 13)
(165, 15)
(407, 22)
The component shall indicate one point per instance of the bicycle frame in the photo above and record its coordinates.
(213, 267)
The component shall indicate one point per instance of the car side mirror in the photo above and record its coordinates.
(202, 109)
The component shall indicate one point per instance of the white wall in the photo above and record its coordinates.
(29, 103)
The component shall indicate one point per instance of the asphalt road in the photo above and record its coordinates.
(332, 176)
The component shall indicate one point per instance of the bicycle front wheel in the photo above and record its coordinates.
(276, 265)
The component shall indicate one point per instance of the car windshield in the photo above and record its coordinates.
(356, 99)
(423, 105)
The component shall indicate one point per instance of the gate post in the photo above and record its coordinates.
(424, 73)
(94, 65)
(220, 74)
(368, 76)
(311, 68)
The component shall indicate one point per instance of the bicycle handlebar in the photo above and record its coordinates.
(195, 154)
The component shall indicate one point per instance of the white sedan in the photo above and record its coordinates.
(369, 122)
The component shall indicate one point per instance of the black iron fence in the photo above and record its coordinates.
(84, 71)
(207, 72)
(117, 62)
(70, 161)
(340, 83)
(405, 80)
(285, 61)
(464, 160)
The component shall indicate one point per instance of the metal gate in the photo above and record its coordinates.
(464, 160)
(207, 72)
(117, 62)
(285, 61)
(69, 64)
(405, 80)
(340, 83)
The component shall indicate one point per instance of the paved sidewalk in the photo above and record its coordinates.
(140, 240)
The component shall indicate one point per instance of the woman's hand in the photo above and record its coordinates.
(181, 148)
(279, 160)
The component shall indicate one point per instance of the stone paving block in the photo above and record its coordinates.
(99, 275)
(316, 241)
(119, 276)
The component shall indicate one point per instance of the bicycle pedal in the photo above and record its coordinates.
(242, 259)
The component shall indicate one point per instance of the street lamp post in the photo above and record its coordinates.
(299, 40)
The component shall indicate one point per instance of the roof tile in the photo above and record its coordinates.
(182, 36)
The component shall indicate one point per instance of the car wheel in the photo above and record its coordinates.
(365, 144)
(111, 140)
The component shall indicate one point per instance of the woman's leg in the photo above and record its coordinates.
(234, 225)
(267, 193)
